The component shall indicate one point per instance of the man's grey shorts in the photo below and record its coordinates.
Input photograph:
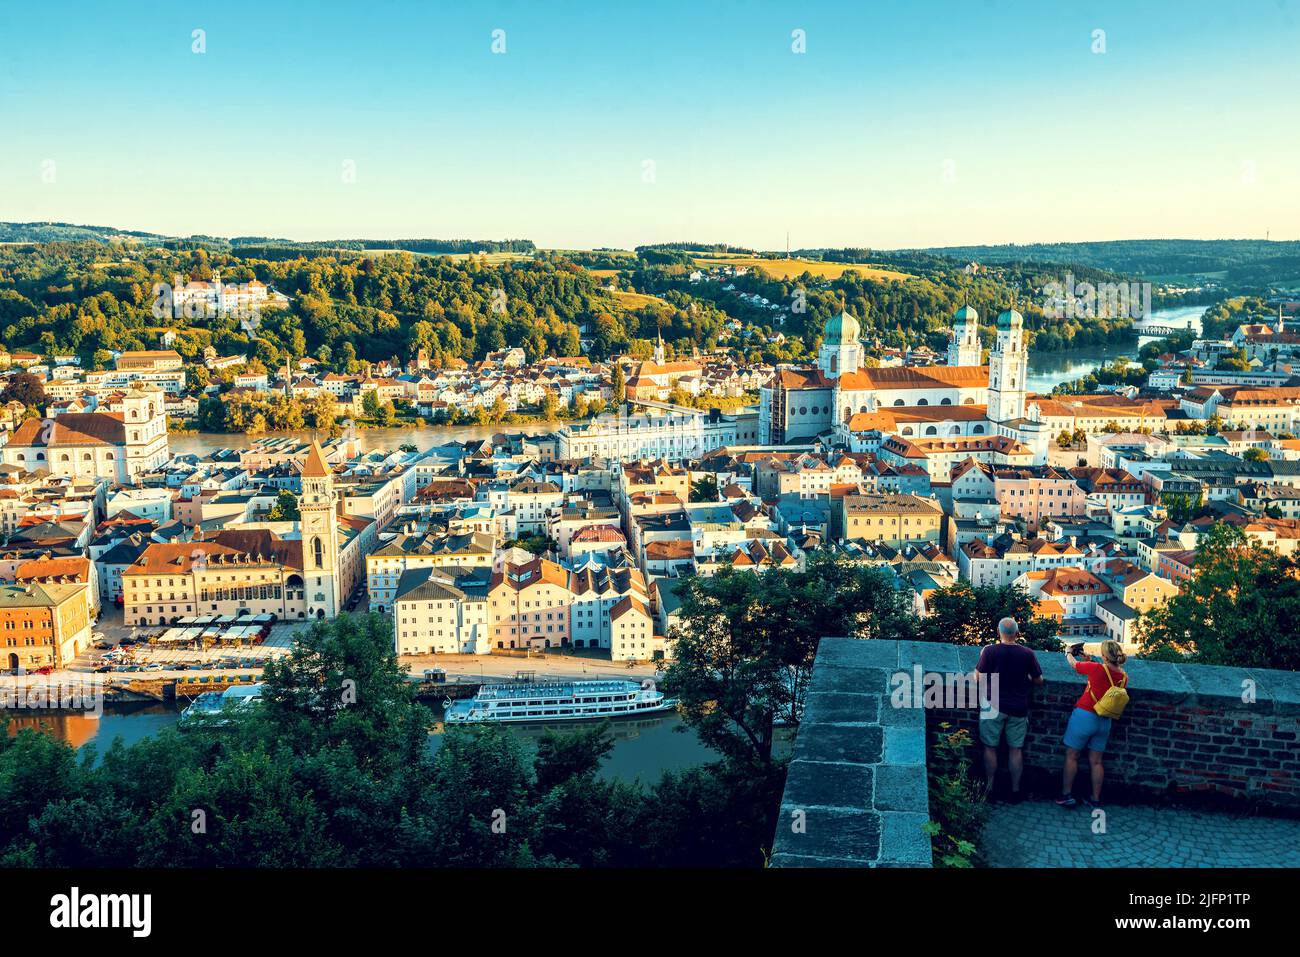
(993, 726)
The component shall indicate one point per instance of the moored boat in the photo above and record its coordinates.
(558, 701)
(210, 704)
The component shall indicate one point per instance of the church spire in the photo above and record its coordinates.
(315, 465)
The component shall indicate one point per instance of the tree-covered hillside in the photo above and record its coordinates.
(87, 290)
(1241, 261)
(87, 297)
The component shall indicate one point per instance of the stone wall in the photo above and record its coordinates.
(856, 792)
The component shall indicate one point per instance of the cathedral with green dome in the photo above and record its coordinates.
(844, 397)
(841, 346)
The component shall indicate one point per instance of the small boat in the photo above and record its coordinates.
(561, 701)
(209, 704)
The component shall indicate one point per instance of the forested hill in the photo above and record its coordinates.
(69, 232)
(1234, 260)
(93, 297)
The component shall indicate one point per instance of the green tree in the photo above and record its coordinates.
(1241, 607)
(619, 386)
(705, 489)
(285, 508)
(966, 614)
(550, 406)
(743, 651)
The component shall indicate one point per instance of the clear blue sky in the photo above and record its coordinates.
(916, 123)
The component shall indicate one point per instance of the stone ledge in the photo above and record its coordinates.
(850, 834)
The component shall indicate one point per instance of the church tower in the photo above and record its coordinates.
(964, 347)
(1008, 367)
(319, 525)
(841, 351)
(220, 290)
(659, 349)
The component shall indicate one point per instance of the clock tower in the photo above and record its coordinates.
(318, 521)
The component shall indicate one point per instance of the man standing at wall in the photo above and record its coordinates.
(1011, 669)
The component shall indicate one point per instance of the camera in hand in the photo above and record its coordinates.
(1077, 650)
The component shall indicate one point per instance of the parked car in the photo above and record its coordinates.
(44, 670)
(103, 645)
(100, 669)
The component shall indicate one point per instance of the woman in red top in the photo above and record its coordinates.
(1087, 729)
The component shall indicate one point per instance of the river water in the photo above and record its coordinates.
(643, 748)
(1049, 369)
(201, 443)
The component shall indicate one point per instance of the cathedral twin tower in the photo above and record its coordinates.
(842, 354)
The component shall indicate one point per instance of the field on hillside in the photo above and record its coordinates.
(793, 268)
(636, 300)
(491, 259)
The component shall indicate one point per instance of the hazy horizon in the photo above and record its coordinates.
(933, 125)
(703, 240)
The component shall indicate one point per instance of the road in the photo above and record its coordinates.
(571, 666)
(503, 668)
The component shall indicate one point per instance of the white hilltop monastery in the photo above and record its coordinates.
(842, 397)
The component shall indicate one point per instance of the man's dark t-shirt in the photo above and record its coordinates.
(1016, 667)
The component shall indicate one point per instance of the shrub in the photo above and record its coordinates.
(958, 810)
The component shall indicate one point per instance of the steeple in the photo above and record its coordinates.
(964, 346)
(1008, 368)
(315, 465)
(841, 351)
(659, 348)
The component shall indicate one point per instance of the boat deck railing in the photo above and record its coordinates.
(559, 689)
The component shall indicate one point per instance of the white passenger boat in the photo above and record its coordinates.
(565, 701)
(212, 703)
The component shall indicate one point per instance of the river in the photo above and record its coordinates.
(1049, 369)
(643, 749)
(201, 443)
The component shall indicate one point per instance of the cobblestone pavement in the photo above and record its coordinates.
(1040, 834)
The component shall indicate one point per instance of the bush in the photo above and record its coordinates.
(958, 810)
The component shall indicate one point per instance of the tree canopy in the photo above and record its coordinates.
(1241, 607)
